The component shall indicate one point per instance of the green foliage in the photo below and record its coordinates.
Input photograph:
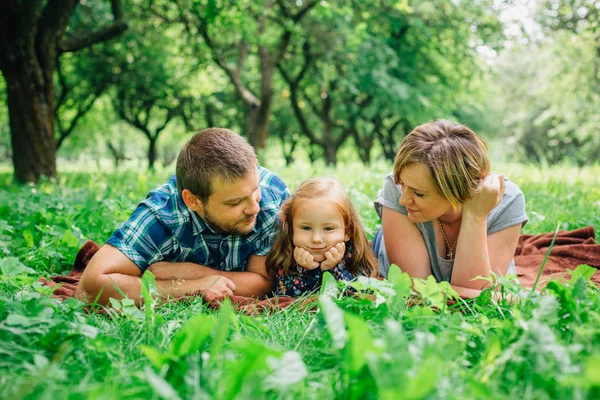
(387, 341)
(376, 70)
(247, 364)
(545, 88)
(371, 71)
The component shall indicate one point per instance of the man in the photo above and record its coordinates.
(209, 228)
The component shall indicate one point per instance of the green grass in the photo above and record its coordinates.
(544, 346)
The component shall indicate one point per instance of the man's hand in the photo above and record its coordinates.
(333, 256)
(304, 259)
(216, 287)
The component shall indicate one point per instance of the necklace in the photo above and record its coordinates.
(449, 249)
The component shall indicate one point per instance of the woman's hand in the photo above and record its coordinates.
(487, 196)
(333, 256)
(304, 259)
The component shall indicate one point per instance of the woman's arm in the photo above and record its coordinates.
(404, 244)
(478, 253)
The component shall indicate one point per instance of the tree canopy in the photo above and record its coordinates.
(322, 75)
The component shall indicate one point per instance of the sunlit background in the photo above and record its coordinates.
(304, 81)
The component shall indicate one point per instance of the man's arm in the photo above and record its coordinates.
(254, 282)
(110, 268)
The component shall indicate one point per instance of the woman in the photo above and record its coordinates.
(444, 214)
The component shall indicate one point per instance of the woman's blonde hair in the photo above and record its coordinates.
(455, 156)
(281, 256)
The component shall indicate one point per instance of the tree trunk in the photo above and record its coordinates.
(28, 40)
(250, 130)
(363, 145)
(31, 110)
(30, 43)
(258, 114)
(258, 123)
(313, 156)
(330, 152)
(288, 160)
(289, 155)
(364, 152)
(266, 100)
(152, 153)
(208, 113)
(388, 149)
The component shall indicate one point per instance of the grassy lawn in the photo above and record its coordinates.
(545, 345)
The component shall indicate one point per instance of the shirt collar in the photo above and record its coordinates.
(198, 224)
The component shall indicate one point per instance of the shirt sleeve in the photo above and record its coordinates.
(306, 281)
(263, 246)
(274, 193)
(389, 197)
(510, 211)
(143, 238)
(340, 273)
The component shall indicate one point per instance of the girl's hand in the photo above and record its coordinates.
(333, 256)
(487, 196)
(304, 259)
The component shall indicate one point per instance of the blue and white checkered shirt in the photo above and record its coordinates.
(163, 228)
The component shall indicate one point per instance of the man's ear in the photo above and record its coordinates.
(191, 201)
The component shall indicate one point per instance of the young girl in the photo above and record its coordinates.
(319, 231)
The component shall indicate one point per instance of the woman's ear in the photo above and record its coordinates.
(346, 236)
(191, 201)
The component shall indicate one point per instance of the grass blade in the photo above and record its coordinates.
(537, 279)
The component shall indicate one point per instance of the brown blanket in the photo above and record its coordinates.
(249, 305)
(571, 249)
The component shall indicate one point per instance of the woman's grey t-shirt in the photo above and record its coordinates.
(510, 211)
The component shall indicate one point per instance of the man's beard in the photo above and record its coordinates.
(230, 229)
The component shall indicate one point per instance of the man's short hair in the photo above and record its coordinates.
(213, 153)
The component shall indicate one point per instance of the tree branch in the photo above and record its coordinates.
(284, 9)
(55, 18)
(242, 90)
(304, 10)
(133, 120)
(64, 89)
(170, 115)
(287, 34)
(293, 84)
(101, 34)
(241, 59)
(117, 10)
(81, 111)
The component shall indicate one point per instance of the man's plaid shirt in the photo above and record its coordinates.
(163, 228)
